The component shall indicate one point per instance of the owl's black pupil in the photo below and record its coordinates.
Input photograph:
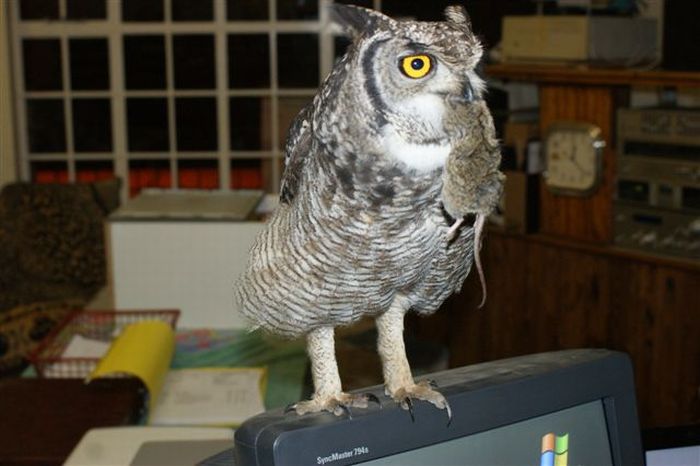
(417, 64)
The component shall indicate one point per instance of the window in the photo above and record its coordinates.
(165, 93)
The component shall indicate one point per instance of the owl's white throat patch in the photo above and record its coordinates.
(421, 157)
(427, 109)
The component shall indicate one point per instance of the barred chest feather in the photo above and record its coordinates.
(358, 235)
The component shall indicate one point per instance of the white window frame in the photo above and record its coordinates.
(113, 29)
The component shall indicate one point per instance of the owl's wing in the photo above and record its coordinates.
(296, 151)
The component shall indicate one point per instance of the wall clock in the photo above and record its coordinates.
(574, 158)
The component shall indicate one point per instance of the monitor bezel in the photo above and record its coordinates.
(483, 397)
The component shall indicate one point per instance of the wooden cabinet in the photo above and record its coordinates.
(592, 95)
(546, 294)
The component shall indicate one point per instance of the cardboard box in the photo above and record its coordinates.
(579, 38)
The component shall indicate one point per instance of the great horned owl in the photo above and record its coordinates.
(361, 229)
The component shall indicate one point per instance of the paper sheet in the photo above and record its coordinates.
(210, 396)
(81, 347)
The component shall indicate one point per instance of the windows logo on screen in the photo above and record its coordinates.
(555, 450)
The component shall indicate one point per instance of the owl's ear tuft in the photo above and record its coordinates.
(457, 15)
(355, 19)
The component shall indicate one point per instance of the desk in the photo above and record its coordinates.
(29, 436)
(41, 420)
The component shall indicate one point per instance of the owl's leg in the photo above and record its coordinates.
(328, 394)
(398, 381)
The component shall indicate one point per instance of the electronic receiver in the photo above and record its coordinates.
(657, 203)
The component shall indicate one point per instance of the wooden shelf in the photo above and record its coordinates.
(610, 251)
(588, 75)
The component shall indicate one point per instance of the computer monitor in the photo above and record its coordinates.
(574, 407)
(672, 446)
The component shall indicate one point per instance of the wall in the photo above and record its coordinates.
(8, 165)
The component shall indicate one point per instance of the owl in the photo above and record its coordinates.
(381, 167)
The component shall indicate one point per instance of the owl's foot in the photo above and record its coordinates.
(423, 390)
(337, 404)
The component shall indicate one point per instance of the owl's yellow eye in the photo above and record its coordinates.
(416, 66)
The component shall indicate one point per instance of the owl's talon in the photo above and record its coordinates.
(408, 404)
(449, 413)
(374, 399)
(343, 409)
(337, 404)
(432, 383)
(423, 390)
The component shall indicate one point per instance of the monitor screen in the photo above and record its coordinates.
(672, 446)
(573, 436)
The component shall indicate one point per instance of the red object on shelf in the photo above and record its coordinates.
(188, 178)
(163, 178)
(246, 178)
(50, 175)
(44, 176)
(148, 177)
(104, 174)
(86, 176)
(134, 185)
(209, 178)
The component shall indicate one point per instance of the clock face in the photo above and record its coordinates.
(573, 155)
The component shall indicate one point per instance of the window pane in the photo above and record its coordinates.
(289, 108)
(144, 62)
(38, 9)
(246, 10)
(192, 10)
(249, 123)
(297, 9)
(364, 3)
(49, 172)
(248, 60)
(42, 64)
(194, 62)
(142, 10)
(46, 125)
(297, 58)
(246, 174)
(198, 174)
(93, 170)
(92, 125)
(196, 123)
(86, 9)
(89, 64)
(147, 123)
